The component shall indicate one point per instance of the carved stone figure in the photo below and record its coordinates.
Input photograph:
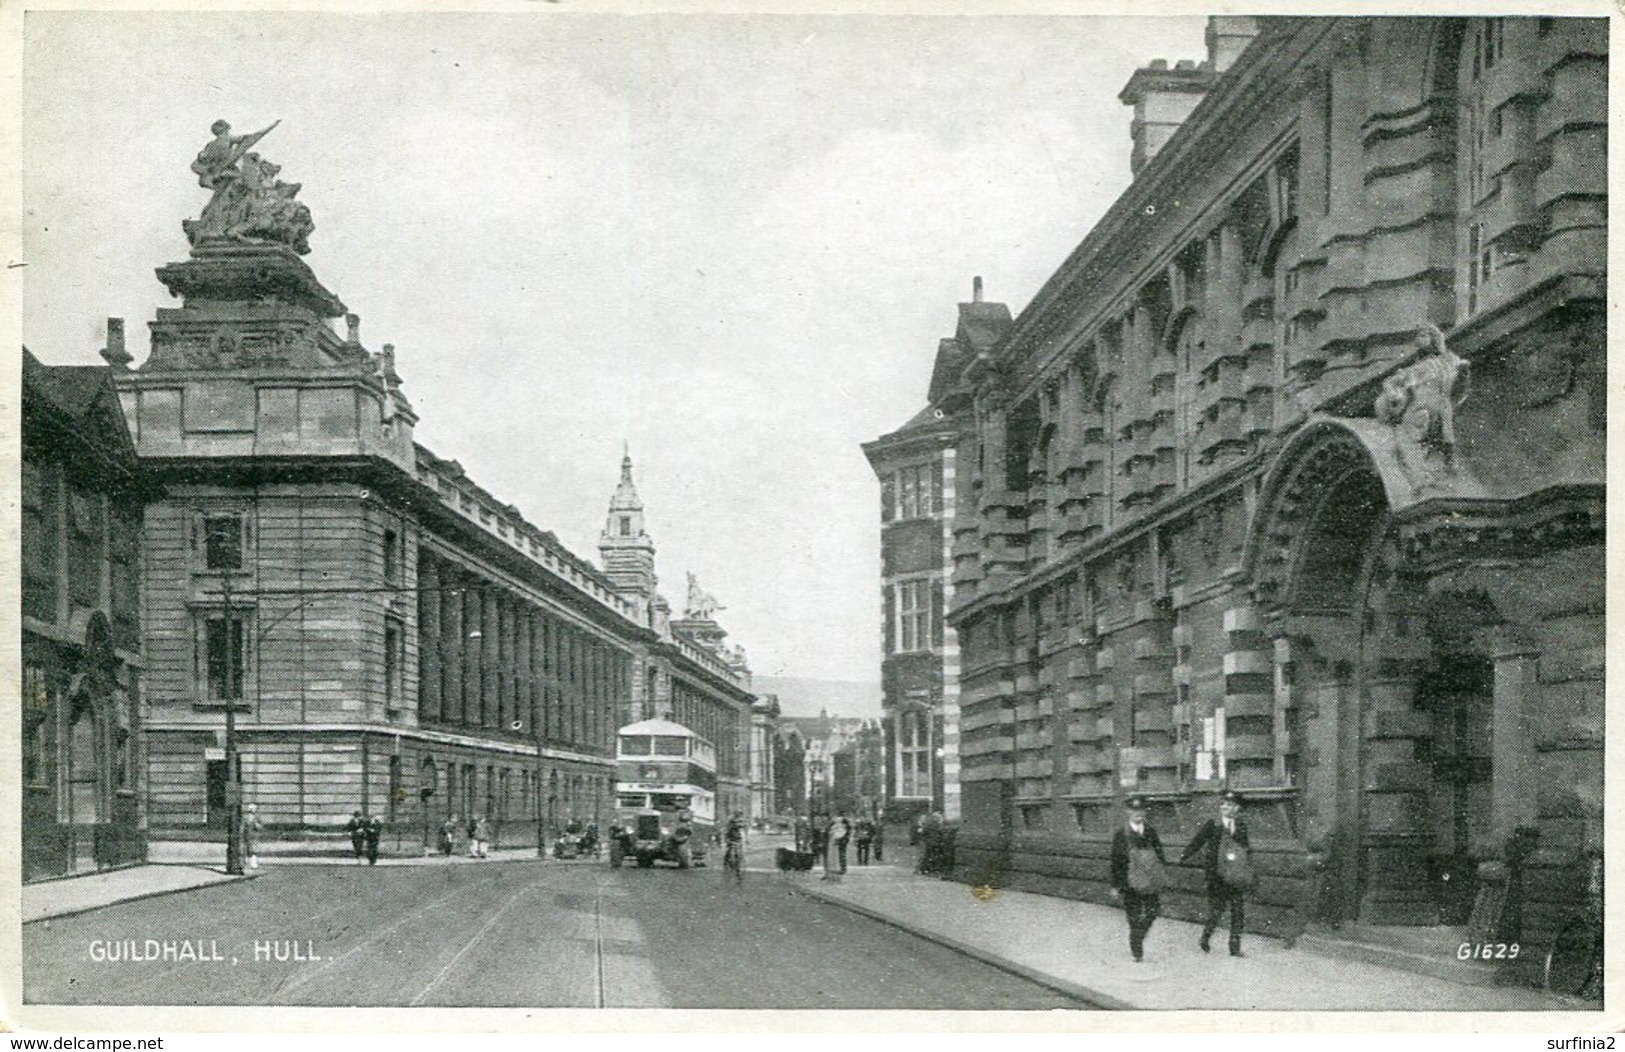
(1419, 402)
(701, 605)
(250, 205)
(216, 163)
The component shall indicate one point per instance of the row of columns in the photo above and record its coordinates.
(716, 723)
(492, 660)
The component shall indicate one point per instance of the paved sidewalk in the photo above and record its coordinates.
(187, 852)
(175, 866)
(70, 895)
(1082, 948)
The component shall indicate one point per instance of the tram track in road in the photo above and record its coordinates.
(292, 983)
(598, 942)
(157, 979)
(490, 922)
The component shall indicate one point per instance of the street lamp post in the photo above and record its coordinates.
(234, 861)
(234, 846)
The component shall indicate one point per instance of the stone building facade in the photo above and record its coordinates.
(392, 637)
(686, 672)
(1290, 482)
(918, 470)
(764, 715)
(81, 743)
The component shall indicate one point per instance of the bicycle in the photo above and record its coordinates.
(1573, 965)
(733, 860)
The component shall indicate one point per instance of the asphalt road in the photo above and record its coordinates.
(507, 934)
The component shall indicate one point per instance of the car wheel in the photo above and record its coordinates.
(645, 863)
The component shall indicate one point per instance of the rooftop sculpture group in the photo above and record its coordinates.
(702, 605)
(250, 204)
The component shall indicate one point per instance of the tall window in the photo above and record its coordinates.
(1488, 44)
(1283, 182)
(913, 616)
(223, 541)
(124, 547)
(36, 726)
(39, 522)
(913, 754)
(397, 791)
(84, 547)
(916, 491)
(626, 525)
(393, 655)
(224, 656)
(392, 556)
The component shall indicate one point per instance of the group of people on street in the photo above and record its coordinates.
(1138, 872)
(365, 833)
(828, 838)
(476, 832)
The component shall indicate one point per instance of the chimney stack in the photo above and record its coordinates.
(352, 324)
(114, 353)
(976, 289)
(1227, 37)
(1162, 98)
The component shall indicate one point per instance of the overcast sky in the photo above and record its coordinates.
(733, 242)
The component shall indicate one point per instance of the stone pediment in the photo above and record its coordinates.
(244, 343)
(249, 273)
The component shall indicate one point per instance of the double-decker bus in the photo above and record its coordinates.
(665, 775)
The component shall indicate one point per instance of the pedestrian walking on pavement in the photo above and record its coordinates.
(866, 837)
(251, 835)
(469, 829)
(930, 838)
(824, 844)
(375, 833)
(880, 839)
(1227, 860)
(357, 828)
(1137, 874)
(448, 830)
(482, 835)
(841, 833)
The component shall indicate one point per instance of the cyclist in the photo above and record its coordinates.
(733, 838)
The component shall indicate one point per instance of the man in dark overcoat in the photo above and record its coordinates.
(357, 828)
(1223, 847)
(375, 833)
(1136, 873)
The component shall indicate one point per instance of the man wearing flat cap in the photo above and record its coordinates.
(1227, 861)
(1137, 873)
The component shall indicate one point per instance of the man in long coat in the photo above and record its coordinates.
(1136, 874)
(1223, 846)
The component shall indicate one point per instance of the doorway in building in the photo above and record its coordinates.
(84, 789)
(215, 792)
(1457, 693)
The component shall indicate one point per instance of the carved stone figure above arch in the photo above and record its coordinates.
(1331, 469)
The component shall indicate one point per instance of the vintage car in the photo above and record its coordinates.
(656, 836)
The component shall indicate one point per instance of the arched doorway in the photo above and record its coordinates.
(86, 784)
(1391, 687)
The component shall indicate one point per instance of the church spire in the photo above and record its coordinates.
(628, 553)
(626, 496)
